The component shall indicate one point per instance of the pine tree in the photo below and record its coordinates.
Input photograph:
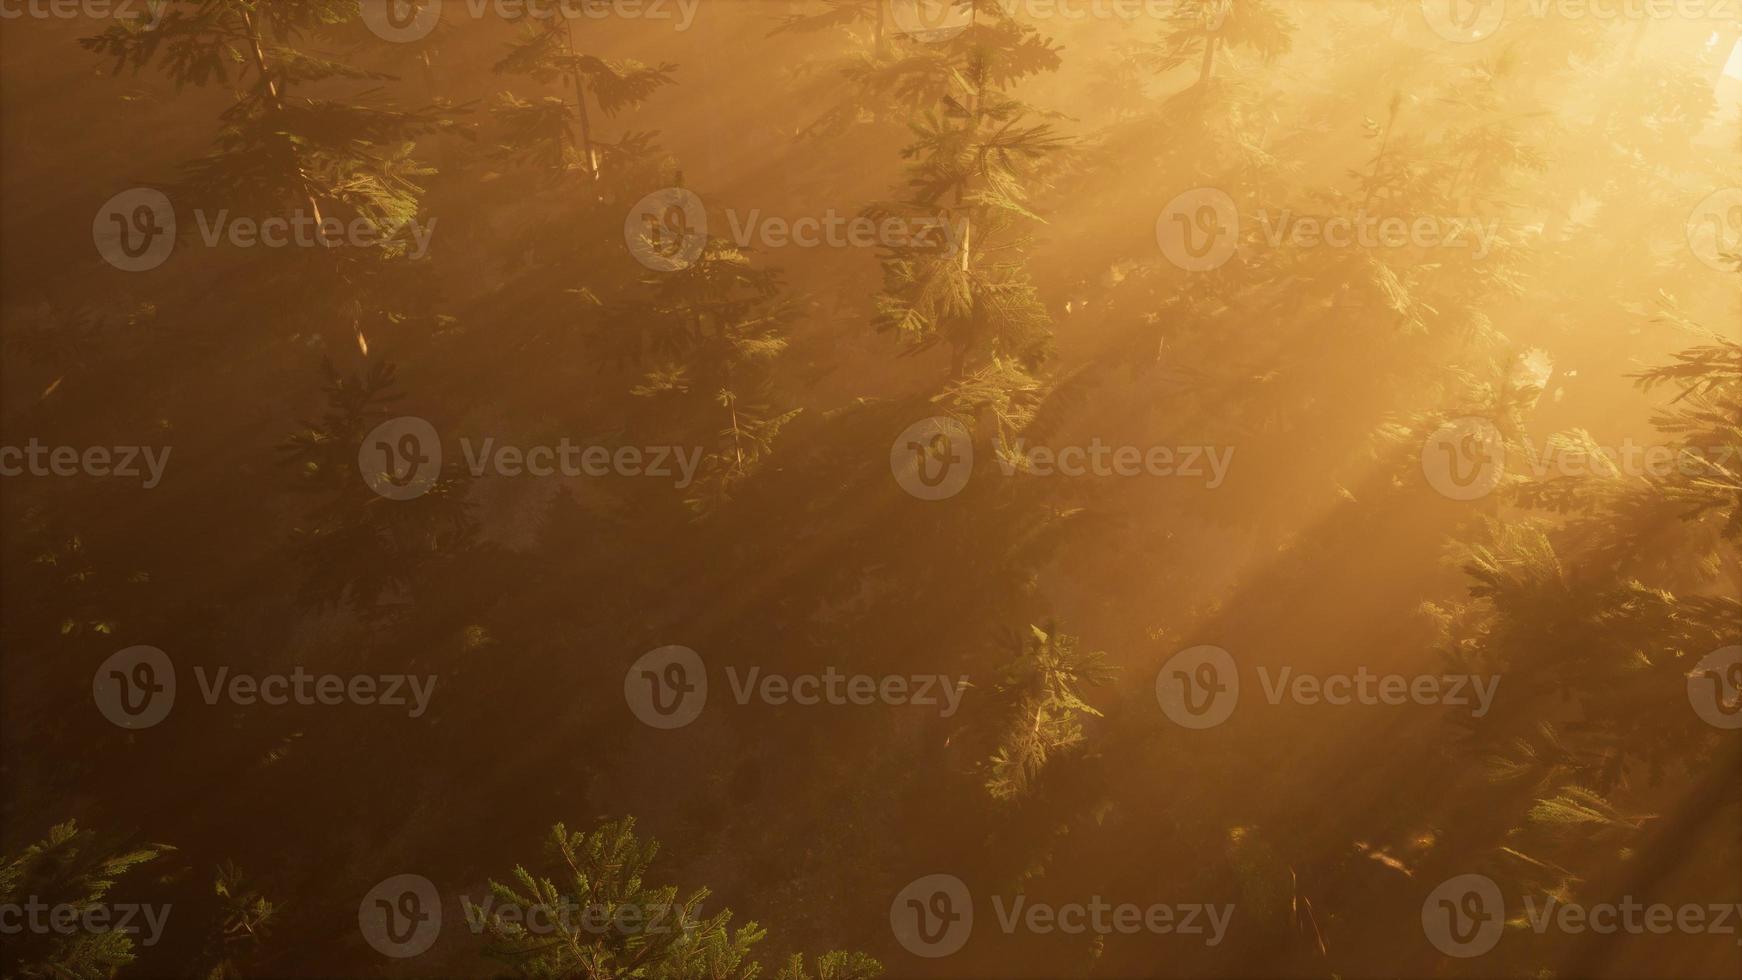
(1043, 689)
(67, 869)
(1595, 609)
(892, 76)
(359, 548)
(244, 922)
(559, 130)
(320, 159)
(712, 333)
(1202, 29)
(972, 163)
(589, 910)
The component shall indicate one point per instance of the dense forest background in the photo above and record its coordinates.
(1510, 456)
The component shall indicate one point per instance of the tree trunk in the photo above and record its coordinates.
(277, 99)
(580, 82)
(1209, 67)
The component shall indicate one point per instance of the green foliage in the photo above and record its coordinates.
(1594, 618)
(330, 162)
(345, 159)
(356, 550)
(589, 910)
(891, 77)
(1200, 28)
(1043, 693)
(552, 130)
(711, 334)
(68, 869)
(973, 170)
(244, 922)
(835, 965)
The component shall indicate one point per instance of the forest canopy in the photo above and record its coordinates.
(834, 489)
